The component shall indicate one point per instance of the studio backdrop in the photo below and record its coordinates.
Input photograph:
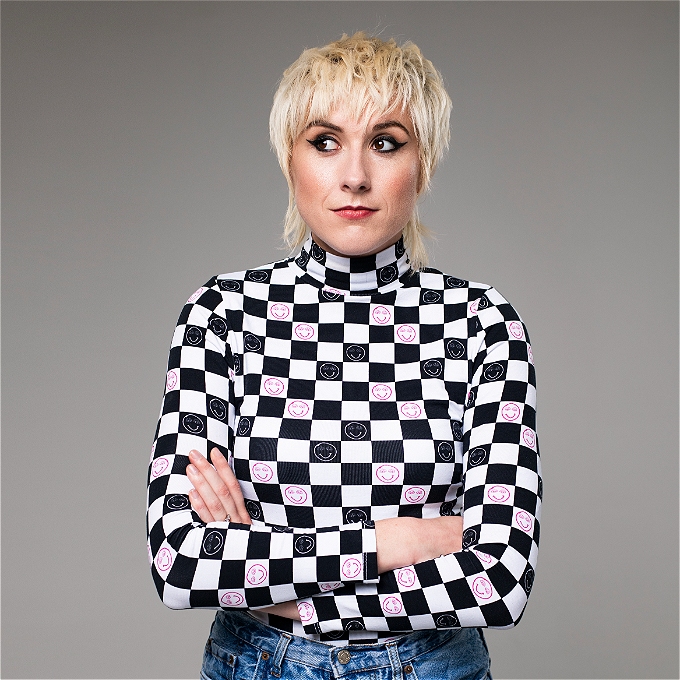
(136, 165)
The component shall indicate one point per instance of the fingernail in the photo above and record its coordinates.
(191, 469)
(216, 451)
(193, 454)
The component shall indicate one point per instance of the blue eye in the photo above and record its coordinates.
(324, 143)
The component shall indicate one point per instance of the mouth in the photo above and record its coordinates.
(354, 212)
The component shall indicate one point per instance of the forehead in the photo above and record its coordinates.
(348, 116)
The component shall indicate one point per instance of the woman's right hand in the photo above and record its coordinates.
(216, 496)
(402, 541)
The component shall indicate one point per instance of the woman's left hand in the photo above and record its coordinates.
(288, 610)
(216, 496)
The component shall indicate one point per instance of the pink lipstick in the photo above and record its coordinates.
(354, 212)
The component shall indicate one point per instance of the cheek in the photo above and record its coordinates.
(403, 189)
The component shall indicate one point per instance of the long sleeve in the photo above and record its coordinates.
(499, 494)
(220, 564)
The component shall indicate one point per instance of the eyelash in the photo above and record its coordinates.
(318, 141)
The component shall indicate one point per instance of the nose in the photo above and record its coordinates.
(355, 173)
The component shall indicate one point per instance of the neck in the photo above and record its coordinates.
(363, 275)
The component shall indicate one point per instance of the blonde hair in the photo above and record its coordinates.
(370, 76)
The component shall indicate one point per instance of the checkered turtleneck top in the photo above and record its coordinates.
(344, 391)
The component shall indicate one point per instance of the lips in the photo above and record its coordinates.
(354, 212)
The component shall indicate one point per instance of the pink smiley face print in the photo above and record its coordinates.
(530, 355)
(411, 410)
(351, 568)
(524, 521)
(483, 557)
(279, 311)
(171, 380)
(306, 611)
(510, 411)
(482, 588)
(414, 494)
(197, 294)
(298, 409)
(232, 599)
(406, 333)
(304, 331)
(295, 495)
(273, 386)
(406, 577)
(381, 315)
(262, 472)
(515, 330)
(330, 586)
(392, 605)
(381, 392)
(474, 306)
(163, 560)
(159, 466)
(498, 493)
(387, 474)
(256, 574)
(529, 437)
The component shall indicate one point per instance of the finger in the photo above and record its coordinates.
(229, 478)
(217, 495)
(199, 507)
(200, 479)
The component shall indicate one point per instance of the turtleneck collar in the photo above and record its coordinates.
(365, 275)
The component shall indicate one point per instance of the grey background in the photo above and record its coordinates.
(136, 165)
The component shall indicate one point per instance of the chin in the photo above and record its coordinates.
(355, 246)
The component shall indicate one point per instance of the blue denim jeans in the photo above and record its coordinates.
(241, 648)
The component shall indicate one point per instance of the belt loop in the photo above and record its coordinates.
(280, 653)
(395, 662)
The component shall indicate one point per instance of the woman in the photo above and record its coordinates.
(346, 462)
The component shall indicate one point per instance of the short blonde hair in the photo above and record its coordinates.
(370, 76)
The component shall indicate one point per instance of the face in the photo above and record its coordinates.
(356, 182)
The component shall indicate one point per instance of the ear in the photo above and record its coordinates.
(420, 185)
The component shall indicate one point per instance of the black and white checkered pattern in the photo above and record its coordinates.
(346, 391)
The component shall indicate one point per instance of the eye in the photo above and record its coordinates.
(385, 144)
(324, 143)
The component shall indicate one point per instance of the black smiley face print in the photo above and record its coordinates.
(455, 349)
(243, 427)
(469, 538)
(355, 352)
(356, 515)
(252, 343)
(494, 371)
(355, 430)
(325, 451)
(233, 286)
(433, 368)
(218, 409)
(218, 327)
(477, 456)
(192, 423)
(177, 502)
(194, 335)
(329, 371)
(213, 542)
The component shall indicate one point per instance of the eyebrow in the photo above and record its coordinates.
(376, 128)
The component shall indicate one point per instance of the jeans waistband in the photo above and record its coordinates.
(339, 661)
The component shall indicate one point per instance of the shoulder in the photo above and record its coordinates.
(228, 289)
(479, 300)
